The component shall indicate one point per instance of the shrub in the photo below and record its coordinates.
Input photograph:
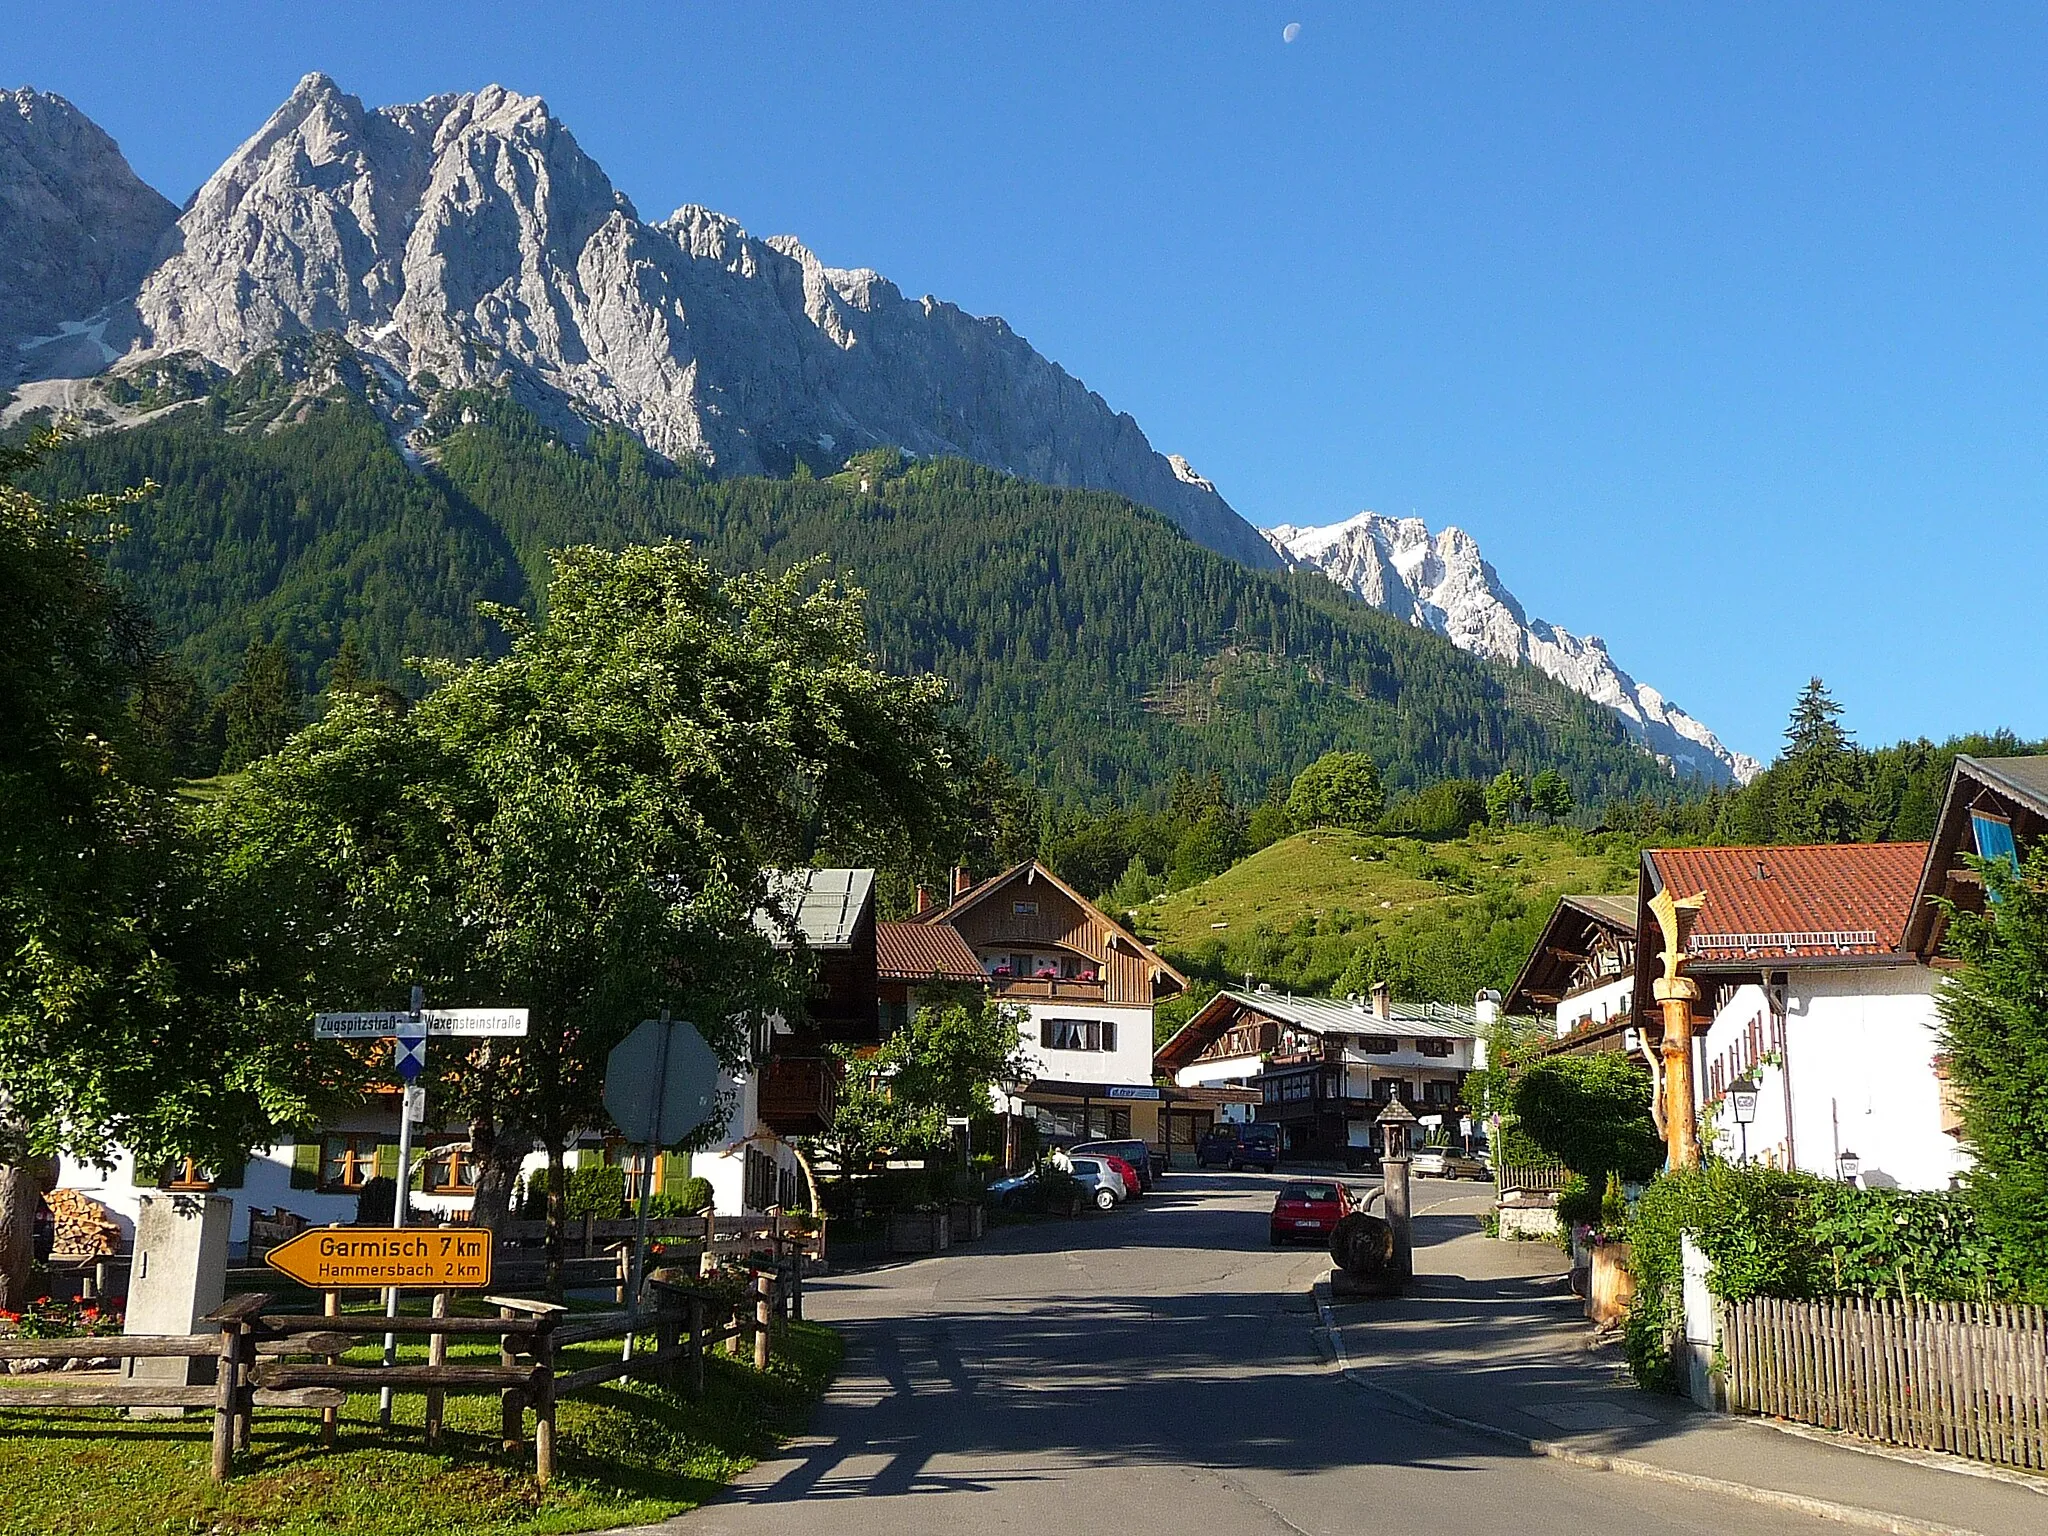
(1592, 1113)
(686, 1199)
(1771, 1233)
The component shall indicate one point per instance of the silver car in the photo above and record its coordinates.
(1104, 1184)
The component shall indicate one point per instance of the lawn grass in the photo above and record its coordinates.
(629, 1454)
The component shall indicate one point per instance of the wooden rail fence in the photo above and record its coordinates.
(267, 1359)
(1535, 1179)
(1963, 1377)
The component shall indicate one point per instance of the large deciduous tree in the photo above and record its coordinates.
(583, 826)
(123, 963)
(1338, 789)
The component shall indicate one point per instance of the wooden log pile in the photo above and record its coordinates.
(82, 1224)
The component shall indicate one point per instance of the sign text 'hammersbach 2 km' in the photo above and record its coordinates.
(422, 1258)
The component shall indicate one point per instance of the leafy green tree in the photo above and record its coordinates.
(1505, 797)
(895, 1098)
(1338, 789)
(1445, 809)
(122, 958)
(1550, 795)
(582, 826)
(1994, 1015)
(263, 708)
(1592, 1113)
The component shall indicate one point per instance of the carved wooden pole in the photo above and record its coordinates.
(1676, 993)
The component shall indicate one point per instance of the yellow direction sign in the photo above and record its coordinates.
(417, 1258)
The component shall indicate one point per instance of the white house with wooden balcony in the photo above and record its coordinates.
(1324, 1068)
(1582, 971)
(1085, 986)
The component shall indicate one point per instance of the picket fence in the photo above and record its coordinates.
(1963, 1377)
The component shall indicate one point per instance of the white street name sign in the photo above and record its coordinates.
(439, 1021)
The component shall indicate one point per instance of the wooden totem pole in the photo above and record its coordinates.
(1675, 993)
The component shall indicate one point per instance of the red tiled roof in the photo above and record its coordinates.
(1842, 898)
(924, 952)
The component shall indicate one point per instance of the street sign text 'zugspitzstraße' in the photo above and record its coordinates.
(439, 1021)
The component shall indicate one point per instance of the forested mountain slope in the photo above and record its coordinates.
(1093, 645)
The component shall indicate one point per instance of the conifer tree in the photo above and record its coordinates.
(1819, 799)
(263, 708)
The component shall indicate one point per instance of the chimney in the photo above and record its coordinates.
(924, 900)
(963, 882)
(1382, 1000)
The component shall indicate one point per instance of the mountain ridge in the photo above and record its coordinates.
(469, 240)
(1441, 582)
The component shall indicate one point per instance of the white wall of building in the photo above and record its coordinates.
(724, 1163)
(1235, 1069)
(1857, 1070)
(1606, 1001)
(1130, 1062)
(266, 1182)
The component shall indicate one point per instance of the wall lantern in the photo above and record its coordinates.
(1849, 1164)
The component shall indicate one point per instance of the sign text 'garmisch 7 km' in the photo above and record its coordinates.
(424, 1258)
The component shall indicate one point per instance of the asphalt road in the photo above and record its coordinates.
(1152, 1370)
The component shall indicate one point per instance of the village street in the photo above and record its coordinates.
(1159, 1370)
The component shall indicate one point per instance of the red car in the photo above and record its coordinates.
(1309, 1208)
(1124, 1171)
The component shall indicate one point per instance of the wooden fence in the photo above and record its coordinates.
(595, 1253)
(1962, 1377)
(269, 1360)
(1535, 1179)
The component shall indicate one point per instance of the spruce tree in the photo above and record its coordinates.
(263, 708)
(1819, 799)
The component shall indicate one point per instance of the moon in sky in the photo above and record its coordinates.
(1290, 32)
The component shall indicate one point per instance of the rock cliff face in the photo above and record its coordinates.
(77, 226)
(1440, 582)
(468, 239)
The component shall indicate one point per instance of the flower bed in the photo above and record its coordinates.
(46, 1318)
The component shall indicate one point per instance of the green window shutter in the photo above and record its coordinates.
(306, 1164)
(674, 1172)
(231, 1174)
(584, 1160)
(387, 1160)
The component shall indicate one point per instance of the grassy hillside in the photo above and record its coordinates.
(1093, 646)
(1334, 911)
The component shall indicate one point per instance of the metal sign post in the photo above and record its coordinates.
(409, 1056)
(409, 1032)
(660, 1084)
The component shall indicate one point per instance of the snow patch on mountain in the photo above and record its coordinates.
(1439, 581)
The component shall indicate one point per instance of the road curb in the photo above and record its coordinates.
(1628, 1466)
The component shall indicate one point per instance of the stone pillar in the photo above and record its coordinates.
(180, 1275)
(1704, 1380)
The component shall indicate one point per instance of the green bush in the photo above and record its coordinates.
(1592, 1113)
(1771, 1233)
(687, 1199)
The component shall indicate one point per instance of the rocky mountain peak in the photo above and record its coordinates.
(1440, 581)
(77, 225)
(467, 239)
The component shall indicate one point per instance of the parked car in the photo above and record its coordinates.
(1016, 1192)
(1308, 1208)
(1104, 1184)
(1217, 1146)
(1136, 1153)
(1258, 1146)
(1134, 1183)
(1441, 1162)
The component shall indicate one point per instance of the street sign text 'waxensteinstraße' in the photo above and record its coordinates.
(418, 1258)
(439, 1021)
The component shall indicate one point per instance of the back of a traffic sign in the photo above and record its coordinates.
(661, 1082)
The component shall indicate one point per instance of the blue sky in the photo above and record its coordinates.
(1721, 328)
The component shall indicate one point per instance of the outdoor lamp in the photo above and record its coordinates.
(1849, 1164)
(1742, 1095)
(1742, 1100)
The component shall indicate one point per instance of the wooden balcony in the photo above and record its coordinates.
(1050, 989)
(798, 1094)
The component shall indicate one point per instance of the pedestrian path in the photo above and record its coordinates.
(1491, 1335)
